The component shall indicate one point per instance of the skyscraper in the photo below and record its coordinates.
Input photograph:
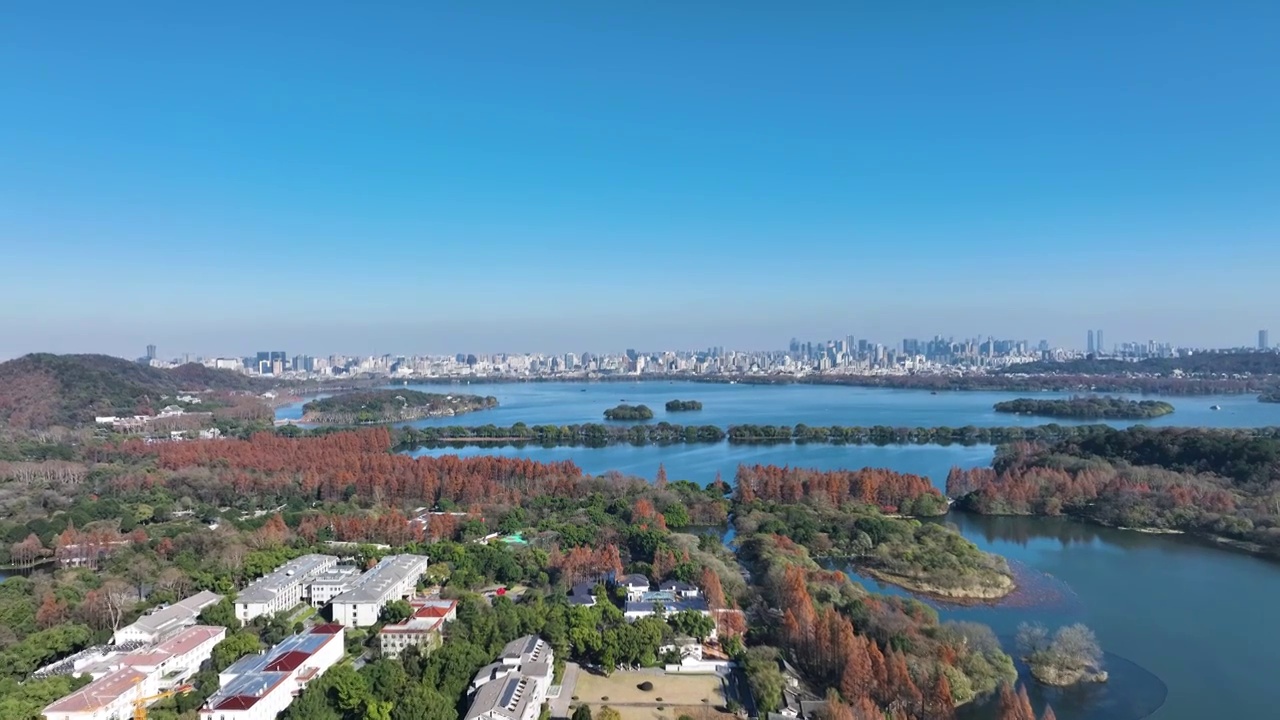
(1090, 346)
(151, 350)
(1264, 343)
(1097, 342)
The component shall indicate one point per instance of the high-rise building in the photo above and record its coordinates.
(1090, 347)
(1264, 343)
(271, 362)
(1097, 343)
(151, 351)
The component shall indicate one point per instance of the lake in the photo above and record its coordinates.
(724, 404)
(1174, 612)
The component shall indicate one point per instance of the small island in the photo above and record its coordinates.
(683, 405)
(1087, 408)
(629, 412)
(928, 559)
(1071, 656)
(1270, 397)
(389, 406)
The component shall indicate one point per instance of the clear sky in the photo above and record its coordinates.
(319, 176)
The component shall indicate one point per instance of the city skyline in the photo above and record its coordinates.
(428, 178)
(276, 361)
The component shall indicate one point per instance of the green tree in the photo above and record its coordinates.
(582, 712)
(608, 713)
(692, 623)
(424, 703)
(387, 678)
(232, 648)
(221, 613)
(395, 611)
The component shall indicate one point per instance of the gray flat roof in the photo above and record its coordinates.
(176, 615)
(265, 588)
(390, 570)
(506, 698)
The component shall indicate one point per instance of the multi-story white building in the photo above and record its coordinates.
(394, 577)
(109, 697)
(166, 620)
(422, 630)
(514, 687)
(330, 584)
(141, 673)
(282, 588)
(259, 687)
(175, 660)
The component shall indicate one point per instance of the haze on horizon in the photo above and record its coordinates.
(323, 177)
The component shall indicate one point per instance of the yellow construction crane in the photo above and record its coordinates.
(140, 704)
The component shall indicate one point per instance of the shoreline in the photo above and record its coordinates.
(979, 595)
(1245, 546)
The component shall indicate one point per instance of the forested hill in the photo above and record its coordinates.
(1215, 363)
(42, 390)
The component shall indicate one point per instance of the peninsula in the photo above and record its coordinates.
(864, 517)
(388, 406)
(1087, 408)
(1210, 482)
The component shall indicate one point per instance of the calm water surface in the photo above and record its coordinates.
(569, 403)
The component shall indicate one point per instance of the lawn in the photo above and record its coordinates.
(675, 690)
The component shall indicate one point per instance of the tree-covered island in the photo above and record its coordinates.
(629, 412)
(683, 405)
(1069, 656)
(389, 406)
(1087, 408)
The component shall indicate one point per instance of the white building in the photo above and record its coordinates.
(330, 584)
(110, 697)
(175, 660)
(394, 577)
(163, 621)
(422, 630)
(141, 673)
(281, 589)
(514, 687)
(259, 687)
(636, 586)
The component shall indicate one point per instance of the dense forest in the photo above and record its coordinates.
(683, 405)
(890, 491)
(42, 390)
(388, 406)
(587, 434)
(1222, 483)
(629, 412)
(1089, 407)
(664, 433)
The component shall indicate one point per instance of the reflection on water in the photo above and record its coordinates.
(1130, 693)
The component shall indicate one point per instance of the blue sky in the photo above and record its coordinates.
(414, 177)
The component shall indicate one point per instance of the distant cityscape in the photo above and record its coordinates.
(847, 355)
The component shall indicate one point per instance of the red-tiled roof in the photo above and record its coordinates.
(434, 611)
(237, 702)
(329, 629)
(287, 662)
(100, 692)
